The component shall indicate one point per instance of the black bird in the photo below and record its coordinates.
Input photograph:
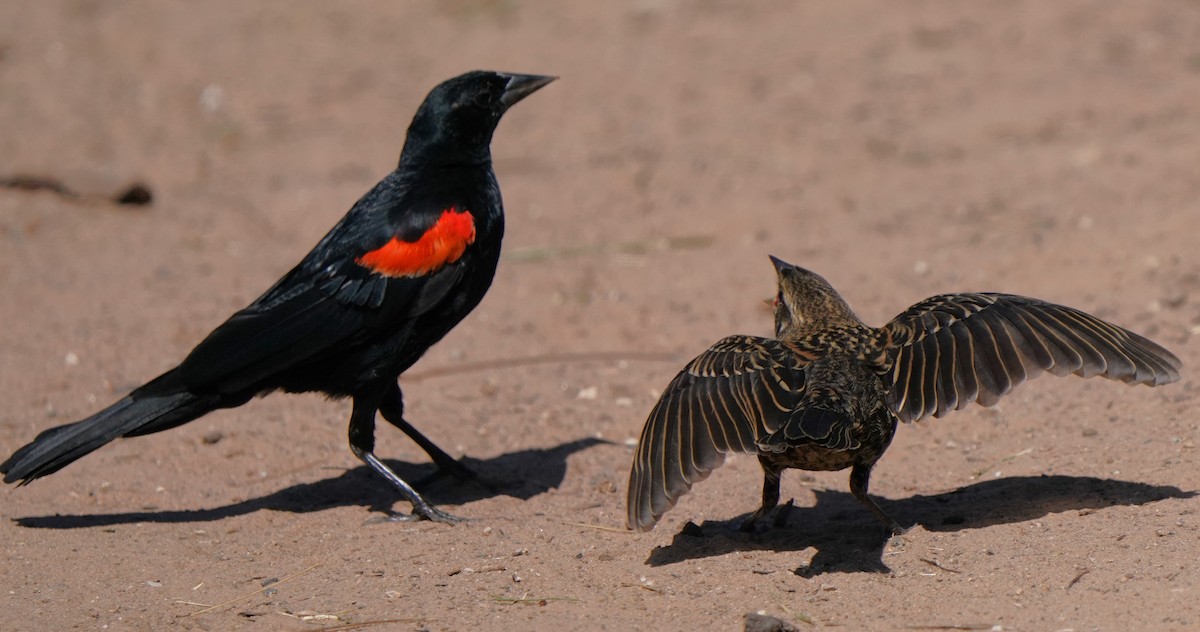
(404, 266)
(826, 393)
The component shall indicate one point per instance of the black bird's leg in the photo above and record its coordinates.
(392, 409)
(362, 443)
(860, 479)
(770, 494)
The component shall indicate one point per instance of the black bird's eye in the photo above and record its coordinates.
(484, 99)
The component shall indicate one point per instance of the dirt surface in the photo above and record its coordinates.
(900, 149)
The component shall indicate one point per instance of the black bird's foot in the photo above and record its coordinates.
(437, 515)
(456, 469)
(430, 513)
(422, 509)
(392, 409)
(450, 467)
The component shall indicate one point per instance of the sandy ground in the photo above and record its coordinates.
(900, 149)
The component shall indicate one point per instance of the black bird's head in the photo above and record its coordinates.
(455, 122)
(807, 303)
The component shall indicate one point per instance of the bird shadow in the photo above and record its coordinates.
(848, 539)
(522, 474)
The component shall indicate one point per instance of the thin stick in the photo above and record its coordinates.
(601, 527)
(954, 626)
(537, 600)
(551, 358)
(364, 624)
(1078, 577)
(1005, 459)
(251, 594)
(936, 564)
(635, 247)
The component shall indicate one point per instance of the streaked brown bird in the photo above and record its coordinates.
(826, 393)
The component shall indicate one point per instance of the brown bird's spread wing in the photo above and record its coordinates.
(741, 389)
(950, 350)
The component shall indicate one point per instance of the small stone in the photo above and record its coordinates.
(762, 622)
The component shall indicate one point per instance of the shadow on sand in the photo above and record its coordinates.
(522, 474)
(847, 538)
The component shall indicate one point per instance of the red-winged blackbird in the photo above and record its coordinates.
(827, 391)
(403, 267)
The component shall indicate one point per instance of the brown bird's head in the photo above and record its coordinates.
(807, 303)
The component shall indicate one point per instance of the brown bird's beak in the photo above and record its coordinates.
(521, 86)
(780, 264)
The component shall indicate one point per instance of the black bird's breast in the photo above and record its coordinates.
(413, 257)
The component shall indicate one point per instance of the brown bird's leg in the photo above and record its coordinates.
(362, 443)
(392, 409)
(770, 494)
(860, 479)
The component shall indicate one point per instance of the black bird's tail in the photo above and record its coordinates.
(146, 410)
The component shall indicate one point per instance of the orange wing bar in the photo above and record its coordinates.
(443, 243)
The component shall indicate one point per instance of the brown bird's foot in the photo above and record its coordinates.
(860, 478)
(747, 525)
(785, 512)
(888, 523)
(778, 522)
(770, 495)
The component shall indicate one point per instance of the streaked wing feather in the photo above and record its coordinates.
(724, 400)
(954, 349)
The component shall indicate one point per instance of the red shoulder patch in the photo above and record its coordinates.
(443, 243)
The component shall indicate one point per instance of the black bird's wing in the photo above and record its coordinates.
(390, 259)
(950, 350)
(726, 400)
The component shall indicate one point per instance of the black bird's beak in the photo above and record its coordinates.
(521, 86)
